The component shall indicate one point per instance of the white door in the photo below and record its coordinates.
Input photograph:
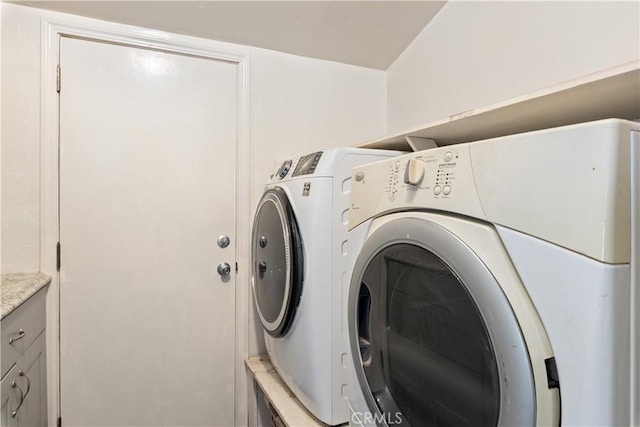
(147, 184)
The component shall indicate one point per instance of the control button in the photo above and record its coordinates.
(448, 156)
(414, 173)
(359, 176)
(284, 169)
(446, 190)
(437, 190)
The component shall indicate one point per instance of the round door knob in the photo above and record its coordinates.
(262, 266)
(224, 269)
(223, 241)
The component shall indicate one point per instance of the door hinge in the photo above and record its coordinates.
(58, 72)
(58, 256)
(236, 267)
(59, 422)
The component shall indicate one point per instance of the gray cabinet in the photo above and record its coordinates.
(10, 398)
(23, 391)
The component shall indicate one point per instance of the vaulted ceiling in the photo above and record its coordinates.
(365, 33)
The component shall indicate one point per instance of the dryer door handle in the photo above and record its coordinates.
(364, 324)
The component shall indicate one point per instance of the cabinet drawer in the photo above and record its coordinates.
(21, 327)
(28, 397)
(9, 399)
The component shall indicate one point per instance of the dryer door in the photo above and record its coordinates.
(277, 270)
(433, 338)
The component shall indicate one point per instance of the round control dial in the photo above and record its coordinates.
(414, 173)
(284, 169)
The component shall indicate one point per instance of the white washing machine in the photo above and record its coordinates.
(492, 284)
(299, 274)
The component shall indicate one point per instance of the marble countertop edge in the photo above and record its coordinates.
(16, 288)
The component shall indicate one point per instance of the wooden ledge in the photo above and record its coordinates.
(290, 410)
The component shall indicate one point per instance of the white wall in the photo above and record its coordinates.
(300, 104)
(297, 105)
(20, 140)
(474, 54)
(0, 144)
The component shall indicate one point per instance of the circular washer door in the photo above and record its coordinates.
(434, 340)
(277, 262)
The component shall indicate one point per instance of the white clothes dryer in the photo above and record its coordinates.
(492, 283)
(299, 273)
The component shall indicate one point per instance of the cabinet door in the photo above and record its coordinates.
(9, 399)
(26, 323)
(33, 412)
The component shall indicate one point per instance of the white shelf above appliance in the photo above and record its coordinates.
(612, 93)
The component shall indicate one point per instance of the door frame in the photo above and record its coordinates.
(634, 309)
(53, 27)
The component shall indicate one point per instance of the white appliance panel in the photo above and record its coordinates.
(311, 356)
(561, 202)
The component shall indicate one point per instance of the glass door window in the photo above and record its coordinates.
(434, 339)
(276, 261)
(425, 350)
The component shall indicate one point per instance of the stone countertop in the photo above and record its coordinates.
(16, 288)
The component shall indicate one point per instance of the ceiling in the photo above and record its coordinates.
(365, 33)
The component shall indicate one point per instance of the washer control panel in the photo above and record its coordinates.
(425, 171)
(445, 174)
(307, 164)
(284, 168)
(391, 187)
(439, 179)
